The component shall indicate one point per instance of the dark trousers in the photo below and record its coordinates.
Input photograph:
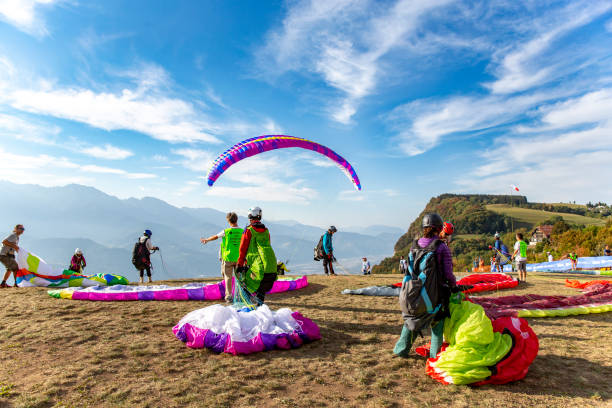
(328, 266)
(146, 268)
(264, 286)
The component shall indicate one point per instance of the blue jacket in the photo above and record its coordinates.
(327, 243)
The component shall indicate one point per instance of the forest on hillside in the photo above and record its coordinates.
(475, 227)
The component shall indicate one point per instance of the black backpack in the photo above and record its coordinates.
(422, 294)
(141, 257)
(318, 250)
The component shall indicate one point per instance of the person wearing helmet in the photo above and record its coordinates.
(256, 259)
(437, 277)
(77, 263)
(141, 256)
(497, 261)
(228, 251)
(328, 251)
(447, 231)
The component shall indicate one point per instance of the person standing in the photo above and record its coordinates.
(438, 277)
(498, 248)
(228, 251)
(328, 251)
(574, 259)
(550, 257)
(7, 254)
(607, 251)
(77, 263)
(520, 256)
(403, 265)
(447, 232)
(256, 259)
(365, 266)
(141, 256)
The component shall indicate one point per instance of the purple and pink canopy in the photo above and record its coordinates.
(260, 144)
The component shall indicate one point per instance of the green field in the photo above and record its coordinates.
(534, 217)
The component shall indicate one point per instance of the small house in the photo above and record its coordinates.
(540, 233)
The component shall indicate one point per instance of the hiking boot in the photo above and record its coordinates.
(3, 285)
(150, 280)
(141, 279)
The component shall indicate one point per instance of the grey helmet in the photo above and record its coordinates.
(432, 220)
(333, 229)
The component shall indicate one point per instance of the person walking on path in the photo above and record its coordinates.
(328, 251)
(77, 263)
(7, 254)
(436, 275)
(256, 259)
(141, 256)
(520, 256)
(228, 251)
(365, 266)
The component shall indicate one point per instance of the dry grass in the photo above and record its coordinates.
(69, 353)
(534, 217)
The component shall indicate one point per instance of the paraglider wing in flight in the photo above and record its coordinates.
(260, 144)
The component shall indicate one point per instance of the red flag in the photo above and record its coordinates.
(515, 188)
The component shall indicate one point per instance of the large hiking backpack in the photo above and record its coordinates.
(318, 250)
(421, 296)
(141, 257)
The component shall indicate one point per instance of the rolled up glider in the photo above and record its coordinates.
(193, 291)
(594, 299)
(224, 329)
(34, 271)
(584, 285)
(260, 144)
(481, 282)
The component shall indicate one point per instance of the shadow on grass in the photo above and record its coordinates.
(565, 376)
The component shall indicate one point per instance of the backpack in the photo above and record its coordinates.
(318, 250)
(422, 295)
(141, 257)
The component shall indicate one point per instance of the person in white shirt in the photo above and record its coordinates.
(550, 257)
(365, 266)
(403, 265)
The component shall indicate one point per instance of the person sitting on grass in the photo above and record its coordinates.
(228, 251)
(256, 260)
(435, 275)
(7, 254)
(77, 263)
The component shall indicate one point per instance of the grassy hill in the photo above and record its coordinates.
(63, 353)
(533, 217)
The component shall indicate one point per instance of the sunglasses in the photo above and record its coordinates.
(21, 229)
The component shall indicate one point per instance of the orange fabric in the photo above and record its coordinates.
(583, 285)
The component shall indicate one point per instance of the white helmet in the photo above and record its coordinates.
(255, 213)
(78, 251)
(497, 235)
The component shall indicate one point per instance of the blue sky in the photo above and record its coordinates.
(137, 98)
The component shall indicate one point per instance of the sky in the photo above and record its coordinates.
(422, 98)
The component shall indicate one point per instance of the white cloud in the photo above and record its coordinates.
(107, 152)
(195, 159)
(25, 15)
(29, 131)
(343, 42)
(565, 163)
(525, 67)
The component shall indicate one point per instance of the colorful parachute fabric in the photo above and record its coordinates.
(192, 291)
(481, 281)
(226, 329)
(260, 144)
(33, 271)
(584, 285)
(480, 351)
(595, 299)
(487, 282)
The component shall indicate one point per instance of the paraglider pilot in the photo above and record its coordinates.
(77, 263)
(256, 261)
(426, 287)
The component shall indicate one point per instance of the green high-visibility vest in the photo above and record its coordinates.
(260, 258)
(230, 244)
(523, 249)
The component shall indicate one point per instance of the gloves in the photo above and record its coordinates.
(461, 288)
(241, 270)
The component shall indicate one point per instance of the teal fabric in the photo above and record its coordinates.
(437, 335)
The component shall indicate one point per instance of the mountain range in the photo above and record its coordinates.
(60, 219)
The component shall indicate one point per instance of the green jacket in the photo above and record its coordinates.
(260, 258)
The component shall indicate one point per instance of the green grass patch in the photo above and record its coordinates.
(534, 217)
